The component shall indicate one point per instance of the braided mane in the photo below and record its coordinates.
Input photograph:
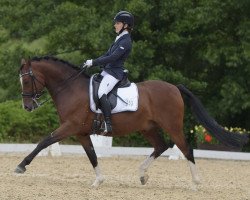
(55, 60)
(58, 60)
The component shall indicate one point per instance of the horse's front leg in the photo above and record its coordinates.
(62, 132)
(90, 151)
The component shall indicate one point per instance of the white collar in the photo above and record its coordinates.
(120, 35)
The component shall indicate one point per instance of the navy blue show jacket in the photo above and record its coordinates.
(113, 60)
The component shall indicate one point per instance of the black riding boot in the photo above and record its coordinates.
(106, 110)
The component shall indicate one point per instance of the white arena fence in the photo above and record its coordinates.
(103, 147)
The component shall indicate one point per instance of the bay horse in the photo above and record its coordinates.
(160, 107)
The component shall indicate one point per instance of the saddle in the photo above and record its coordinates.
(123, 97)
(112, 96)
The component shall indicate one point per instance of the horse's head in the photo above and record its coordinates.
(32, 85)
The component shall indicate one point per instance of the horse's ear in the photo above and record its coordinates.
(23, 61)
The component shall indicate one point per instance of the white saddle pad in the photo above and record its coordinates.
(128, 94)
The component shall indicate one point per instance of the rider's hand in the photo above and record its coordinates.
(88, 63)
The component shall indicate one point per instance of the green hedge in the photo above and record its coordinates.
(18, 125)
(137, 140)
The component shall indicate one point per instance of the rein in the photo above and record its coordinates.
(35, 95)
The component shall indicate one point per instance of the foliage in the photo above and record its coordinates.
(201, 44)
(137, 140)
(18, 125)
(202, 136)
(131, 140)
(9, 65)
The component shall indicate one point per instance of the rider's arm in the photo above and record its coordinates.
(120, 50)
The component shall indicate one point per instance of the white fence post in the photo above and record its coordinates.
(177, 154)
(55, 149)
(101, 141)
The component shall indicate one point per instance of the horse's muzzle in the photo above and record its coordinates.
(30, 107)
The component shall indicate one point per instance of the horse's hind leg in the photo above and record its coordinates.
(157, 141)
(178, 138)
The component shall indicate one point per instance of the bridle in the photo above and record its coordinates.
(35, 94)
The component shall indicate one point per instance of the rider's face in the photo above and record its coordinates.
(118, 26)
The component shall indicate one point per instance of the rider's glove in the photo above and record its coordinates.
(88, 63)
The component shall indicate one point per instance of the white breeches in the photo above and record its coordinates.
(107, 84)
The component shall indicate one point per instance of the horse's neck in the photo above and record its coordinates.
(58, 78)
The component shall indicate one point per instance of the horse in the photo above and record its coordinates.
(160, 107)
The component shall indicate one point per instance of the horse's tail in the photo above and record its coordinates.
(232, 139)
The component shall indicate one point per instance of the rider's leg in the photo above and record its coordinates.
(107, 84)
(106, 110)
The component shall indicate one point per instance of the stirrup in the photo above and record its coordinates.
(107, 128)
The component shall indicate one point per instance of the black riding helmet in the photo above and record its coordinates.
(126, 18)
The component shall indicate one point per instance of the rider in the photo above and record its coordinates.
(113, 62)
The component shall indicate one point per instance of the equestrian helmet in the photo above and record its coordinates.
(125, 17)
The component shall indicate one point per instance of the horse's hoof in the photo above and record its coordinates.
(144, 179)
(97, 183)
(20, 170)
(197, 181)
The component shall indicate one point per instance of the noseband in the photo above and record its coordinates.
(35, 93)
